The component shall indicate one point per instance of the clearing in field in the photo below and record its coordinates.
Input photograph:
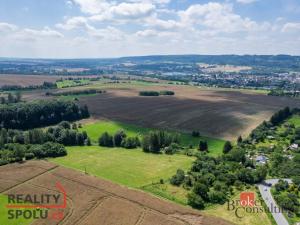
(132, 168)
(96, 128)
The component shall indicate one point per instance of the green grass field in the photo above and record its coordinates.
(95, 130)
(4, 215)
(132, 168)
(70, 83)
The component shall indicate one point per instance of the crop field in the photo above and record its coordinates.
(221, 114)
(25, 80)
(95, 128)
(93, 201)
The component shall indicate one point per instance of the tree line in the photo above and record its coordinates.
(11, 153)
(40, 113)
(63, 133)
(45, 85)
(11, 98)
(119, 139)
(76, 92)
(156, 93)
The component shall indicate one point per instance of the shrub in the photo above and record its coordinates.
(195, 201)
(130, 142)
(172, 149)
(106, 140)
(178, 178)
(196, 133)
(167, 93)
(227, 147)
(149, 93)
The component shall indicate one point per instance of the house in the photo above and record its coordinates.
(293, 146)
(261, 159)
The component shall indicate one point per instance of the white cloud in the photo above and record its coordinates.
(246, 1)
(290, 27)
(163, 24)
(6, 27)
(146, 33)
(92, 6)
(159, 2)
(217, 16)
(34, 35)
(109, 33)
(73, 23)
(132, 10)
(45, 32)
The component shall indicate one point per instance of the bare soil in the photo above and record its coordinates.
(25, 80)
(215, 113)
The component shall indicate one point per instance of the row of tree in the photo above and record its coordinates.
(17, 152)
(119, 139)
(11, 98)
(156, 93)
(61, 133)
(40, 113)
(156, 141)
(45, 85)
(76, 92)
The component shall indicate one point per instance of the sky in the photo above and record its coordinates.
(105, 28)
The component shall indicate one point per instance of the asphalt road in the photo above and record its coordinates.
(270, 202)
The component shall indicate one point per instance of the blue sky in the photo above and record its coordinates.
(105, 28)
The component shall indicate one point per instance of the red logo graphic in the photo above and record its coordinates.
(247, 199)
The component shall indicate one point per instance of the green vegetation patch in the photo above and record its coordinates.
(72, 83)
(95, 130)
(133, 168)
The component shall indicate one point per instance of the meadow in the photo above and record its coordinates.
(132, 168)
(96, 128)
(72, 83)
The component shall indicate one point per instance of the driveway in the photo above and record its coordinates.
(265, 192)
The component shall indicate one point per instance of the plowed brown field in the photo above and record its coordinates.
(25, 80)
(93, 201)
(215, 113)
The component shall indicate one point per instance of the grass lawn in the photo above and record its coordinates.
(4, 215)
(295, 119)
(249, 218)
(168, 191)
(95, 130)
(132, 168)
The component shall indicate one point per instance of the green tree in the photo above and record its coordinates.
(201, 190)
(227, 147)
(178, 178)
(106, 140)
(119, 137)
(239, 140)
(203, 146)
(195, 201)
